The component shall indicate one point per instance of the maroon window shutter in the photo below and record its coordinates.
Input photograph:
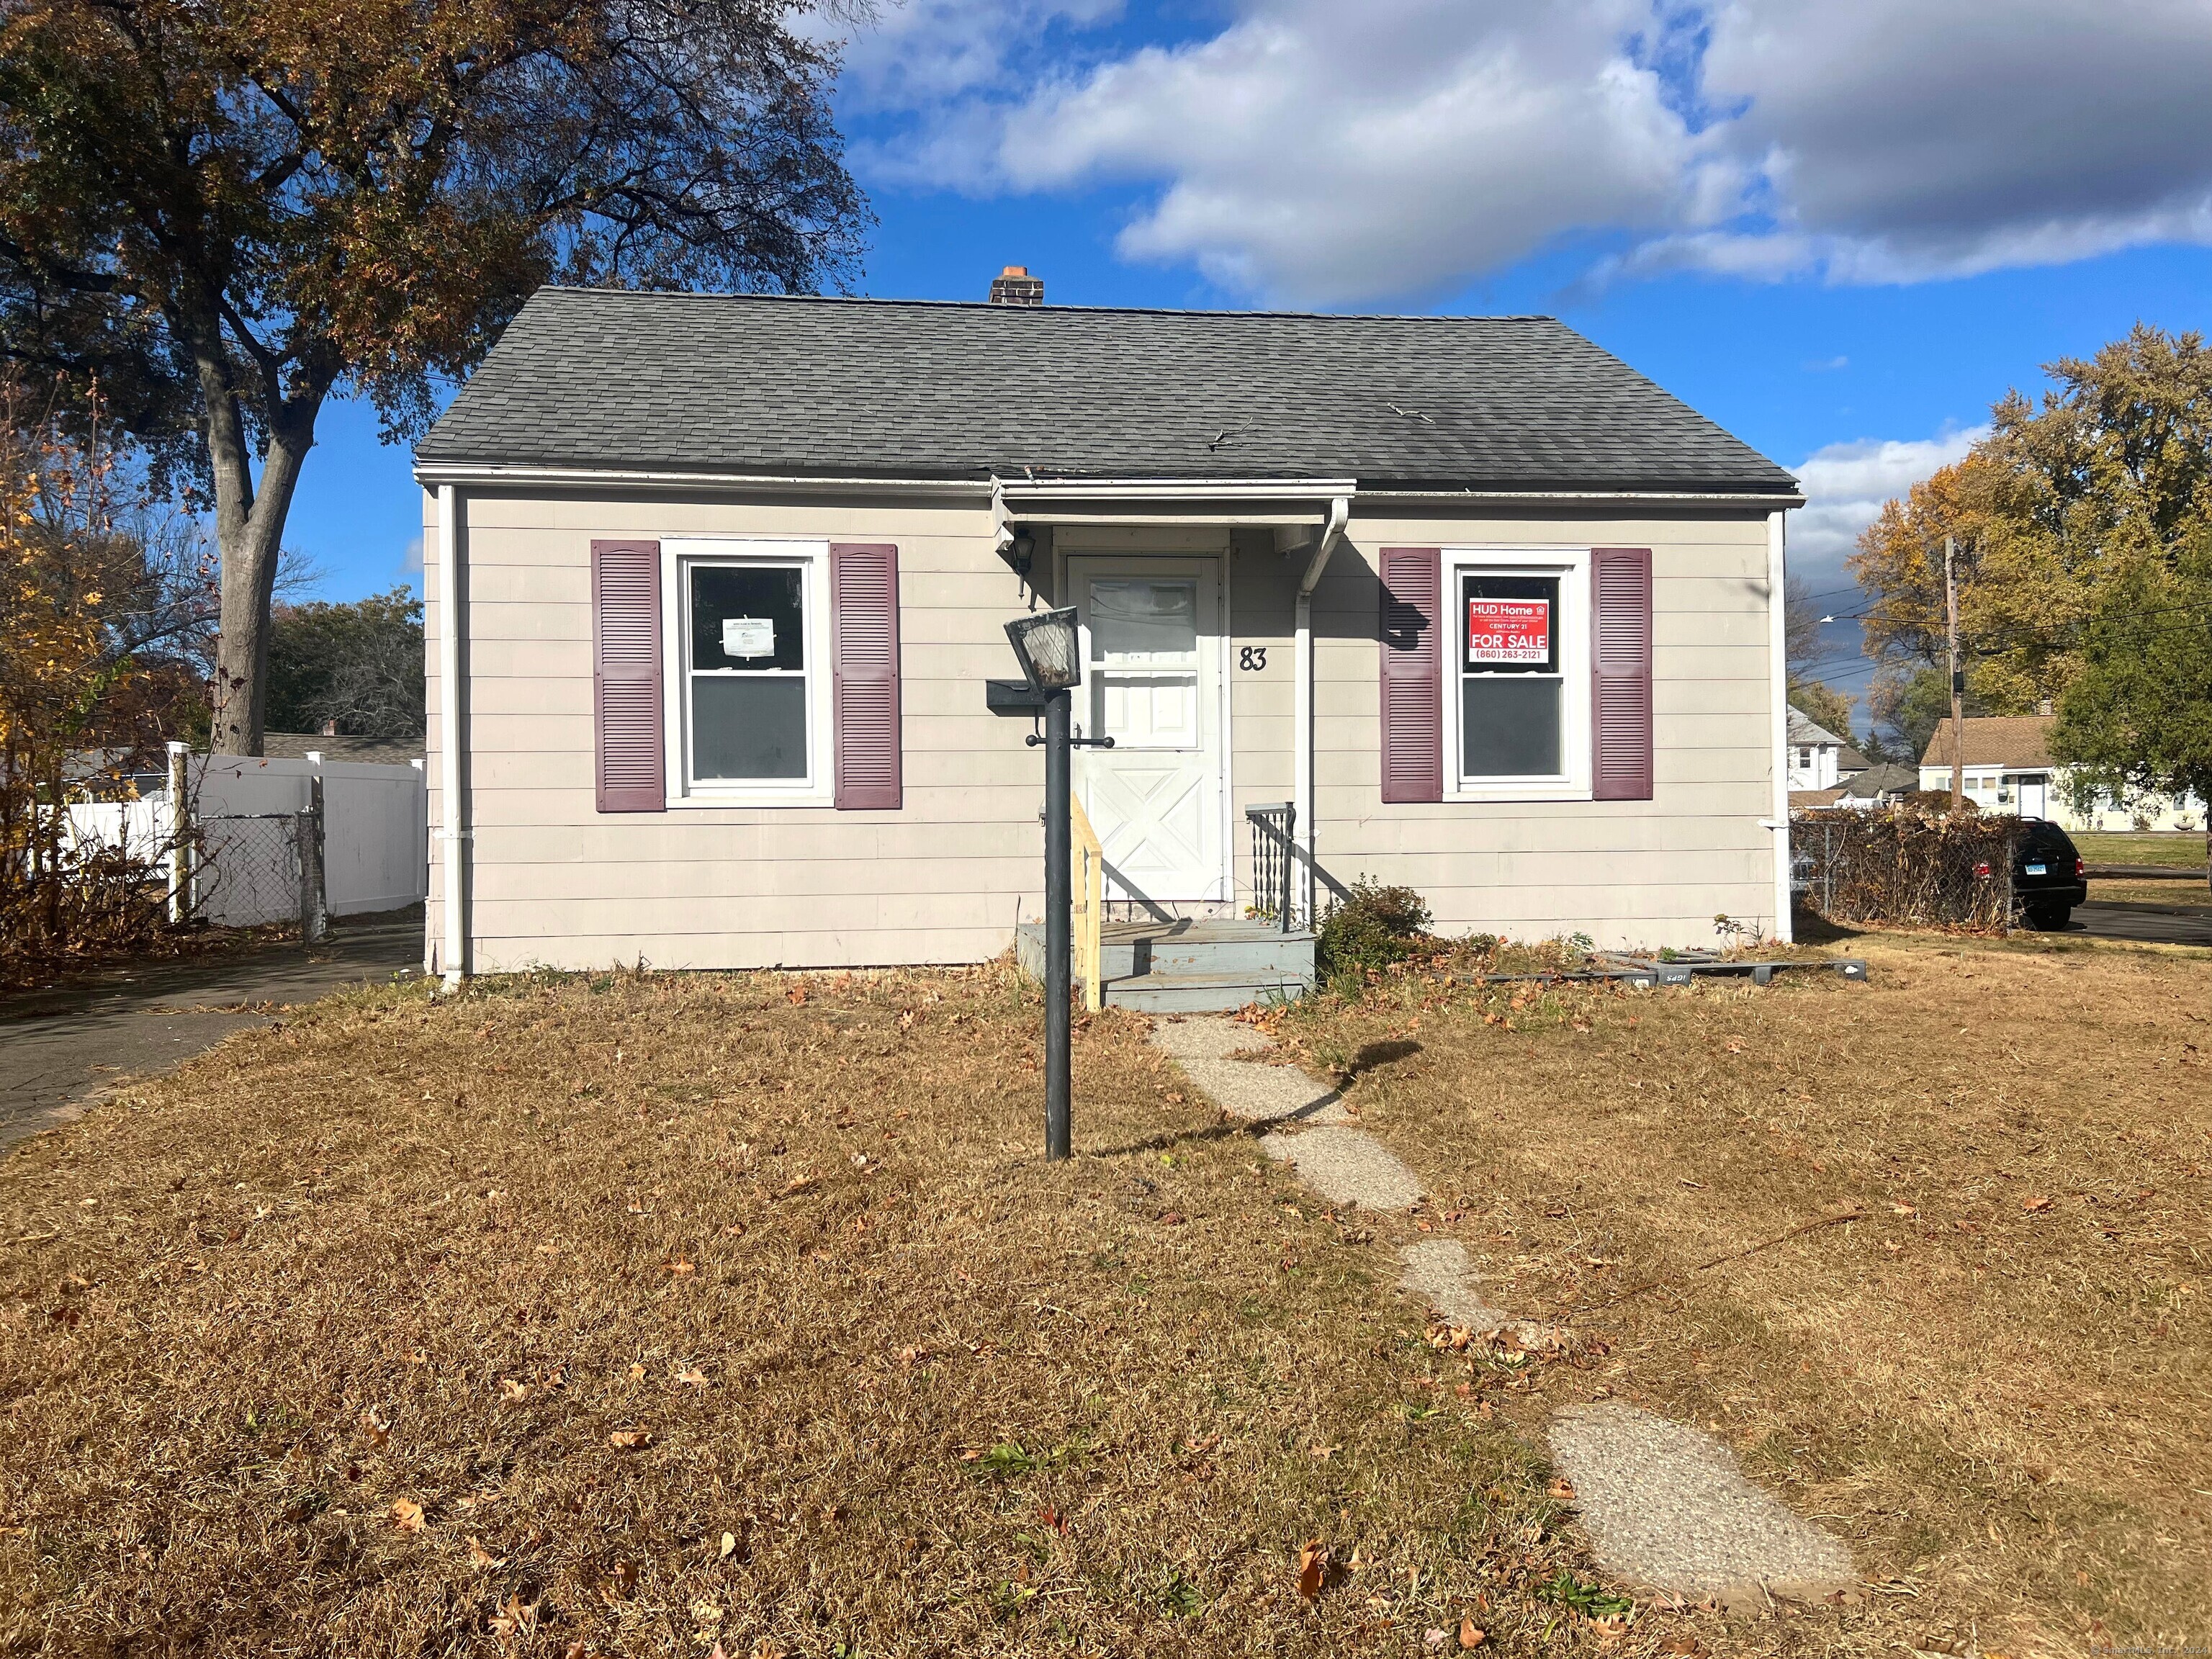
(1621, 672)
(864, 646)
(626, 676)
(1412, 674)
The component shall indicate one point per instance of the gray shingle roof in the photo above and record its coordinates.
(598, 378)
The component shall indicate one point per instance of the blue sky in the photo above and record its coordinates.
(1841, 233)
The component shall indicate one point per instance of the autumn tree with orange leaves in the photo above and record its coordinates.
(2055, 515)
(227, 212)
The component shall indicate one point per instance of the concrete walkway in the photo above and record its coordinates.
(62, 1049)
(1664, 1503)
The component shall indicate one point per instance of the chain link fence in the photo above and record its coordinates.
(248, 868)
(1906, 866)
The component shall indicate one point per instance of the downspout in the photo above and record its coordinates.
(1301, 680)
(453, 959)
(1777, 651)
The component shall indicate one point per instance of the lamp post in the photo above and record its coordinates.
(1049, 650)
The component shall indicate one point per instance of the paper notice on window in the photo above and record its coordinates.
(748, 636)
(1509, 631)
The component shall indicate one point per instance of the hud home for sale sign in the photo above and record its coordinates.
(1509, 631)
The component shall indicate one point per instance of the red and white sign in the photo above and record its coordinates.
(1509, 631)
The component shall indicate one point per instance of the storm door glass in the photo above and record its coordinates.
(1143, 662)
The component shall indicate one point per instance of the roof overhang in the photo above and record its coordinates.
(1091, 501)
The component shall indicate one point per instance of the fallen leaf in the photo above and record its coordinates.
(514, 1618)
(692, 1376)
(1687, 1645)
(514, 1387)
(406, 1515)
(630, 1439)
(682, 1268)
(729, 1545)
(622, 1584)
(1904, 1209)
(1472, 1635)
(2035, 1206)
(378, 1425)
(1313, 1568)
(1563, 1490)
(479, 1556)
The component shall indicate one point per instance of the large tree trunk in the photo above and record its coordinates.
(249, 535)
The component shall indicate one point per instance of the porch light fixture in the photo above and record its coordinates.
(1050, 650)
(1046, 646)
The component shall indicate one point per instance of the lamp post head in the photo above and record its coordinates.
(1048, 648)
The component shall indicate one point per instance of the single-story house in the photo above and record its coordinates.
(1879, 785)
(2008, 769)
(717, 582)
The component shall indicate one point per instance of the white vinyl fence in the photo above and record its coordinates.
(252, 844)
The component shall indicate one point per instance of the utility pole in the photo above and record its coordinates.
(1958, 679)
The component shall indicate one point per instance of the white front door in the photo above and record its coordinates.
(1152, 681)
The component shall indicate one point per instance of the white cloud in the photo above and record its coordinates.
(1845, 485)
(1322, 153)
(410, 560)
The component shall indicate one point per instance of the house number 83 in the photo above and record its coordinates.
(1252, 659)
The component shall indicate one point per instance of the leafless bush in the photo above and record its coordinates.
(1952, 870)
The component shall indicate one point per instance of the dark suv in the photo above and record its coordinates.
(2047, 876)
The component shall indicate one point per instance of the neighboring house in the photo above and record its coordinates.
(2008, 769)
(1817, 756)
(1879, 785)
(716, 583)
(370, 751)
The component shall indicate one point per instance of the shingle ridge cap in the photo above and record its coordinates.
(561, 289)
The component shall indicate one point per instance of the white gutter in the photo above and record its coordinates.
(453, 959)
(1178, 489)
(1301, 684)
(441, 474)
(1579, 497)
(1777, 651)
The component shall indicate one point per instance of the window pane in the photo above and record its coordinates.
(1510, 727)
(746, 617)
(1510, 624)
(745, 728)
(1144, 623)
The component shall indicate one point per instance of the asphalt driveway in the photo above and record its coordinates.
(60, 1049)
(2149, 924)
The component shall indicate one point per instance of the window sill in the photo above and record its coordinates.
(751, 799)
(1536, 789)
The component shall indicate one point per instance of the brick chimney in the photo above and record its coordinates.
(1014, 286)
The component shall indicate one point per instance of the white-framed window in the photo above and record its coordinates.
(1516, 678)
(745, 639)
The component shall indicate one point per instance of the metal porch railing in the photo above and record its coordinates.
(1276, 856)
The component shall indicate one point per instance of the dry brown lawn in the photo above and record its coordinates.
(647, 1315)
(1996, 1381)
(2165, 894)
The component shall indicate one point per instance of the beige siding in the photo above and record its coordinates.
(554, 882)
(1643, 872)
